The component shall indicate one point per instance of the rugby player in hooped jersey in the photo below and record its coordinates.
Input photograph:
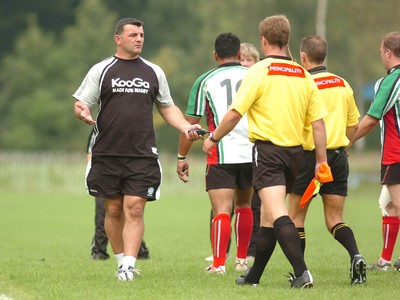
(229, 169)
(384, 110)
(278, 96)
(124, 167)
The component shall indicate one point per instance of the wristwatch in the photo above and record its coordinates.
(210, 136)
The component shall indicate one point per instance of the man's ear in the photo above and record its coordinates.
(389, 53)
(215, 55)
(263, 40)
(303, 56)
(116, 39)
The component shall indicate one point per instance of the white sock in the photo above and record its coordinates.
(128, 261)
(119, 257)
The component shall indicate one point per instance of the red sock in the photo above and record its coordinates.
(390, 229)
(220, 235)
(243, 229)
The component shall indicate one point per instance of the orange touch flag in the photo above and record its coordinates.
(324, 175)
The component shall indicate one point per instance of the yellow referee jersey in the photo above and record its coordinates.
(339, 101)
(279, 97)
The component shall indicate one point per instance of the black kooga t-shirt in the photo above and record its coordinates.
(125, 91)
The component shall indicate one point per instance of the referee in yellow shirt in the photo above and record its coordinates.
(341, 125)
(279, 96)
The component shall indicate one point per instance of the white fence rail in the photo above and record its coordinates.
(65, 172)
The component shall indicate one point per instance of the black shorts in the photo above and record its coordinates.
(229, 176)
(338, 162)
(111, 177)
(390, 174)
(275, 165)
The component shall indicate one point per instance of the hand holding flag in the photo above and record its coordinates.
(324, 175)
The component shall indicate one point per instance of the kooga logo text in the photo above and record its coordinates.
(135, 82)
(136, 85)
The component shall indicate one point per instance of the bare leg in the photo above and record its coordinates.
(133, 229)
(114, 224)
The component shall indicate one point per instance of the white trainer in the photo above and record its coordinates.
(127, 274)
(241, 264)
(216, 270)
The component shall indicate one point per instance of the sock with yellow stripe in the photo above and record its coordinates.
(345, 236)
(302, 234)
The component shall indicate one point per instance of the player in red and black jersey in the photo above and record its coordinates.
(384, 110)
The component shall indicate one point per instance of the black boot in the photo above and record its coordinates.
(144, 252)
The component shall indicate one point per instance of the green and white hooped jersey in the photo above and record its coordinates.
(211, 95)
(386, 108)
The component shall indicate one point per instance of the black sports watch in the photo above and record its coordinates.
(210, 136)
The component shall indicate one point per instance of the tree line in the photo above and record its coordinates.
(53, 46)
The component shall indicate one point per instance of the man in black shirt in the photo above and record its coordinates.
(124, 167)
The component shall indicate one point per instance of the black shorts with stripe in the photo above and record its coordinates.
(229, 176)
(390, 174)
(275, 165)
(111, 177)
(338, 162)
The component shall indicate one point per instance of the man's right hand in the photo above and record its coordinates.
(183, 170)
(82, 112)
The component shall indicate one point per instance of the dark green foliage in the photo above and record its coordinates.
(47, 49)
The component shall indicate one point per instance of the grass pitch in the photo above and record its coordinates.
(45, 241)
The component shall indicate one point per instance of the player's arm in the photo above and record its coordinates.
(351, 131)
(229, 121)
(319, 135)
(367, 124)
(174, 117)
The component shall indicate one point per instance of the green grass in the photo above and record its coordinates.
(45, 239)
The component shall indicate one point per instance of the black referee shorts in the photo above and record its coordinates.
(275, 165)
(338, 162)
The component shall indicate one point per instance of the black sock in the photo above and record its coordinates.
(344, 235)
(302, 235)
(265, 246)
(289, 240)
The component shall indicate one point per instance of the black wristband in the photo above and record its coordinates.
(181, 157)
(212, 138)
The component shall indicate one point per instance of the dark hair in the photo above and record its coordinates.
(227, 45)
(131, 21)
(315, 47)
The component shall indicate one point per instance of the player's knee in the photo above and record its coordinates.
(282, 222)
(114, 211)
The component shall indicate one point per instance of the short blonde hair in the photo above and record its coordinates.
(248, 50)
(276, 30)
(391, 41)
